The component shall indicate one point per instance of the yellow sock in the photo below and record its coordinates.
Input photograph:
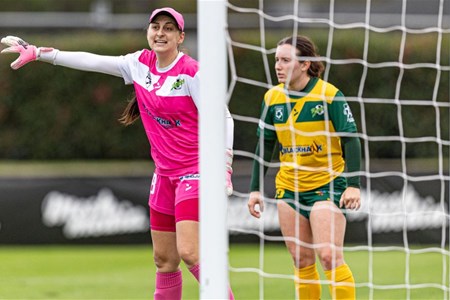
(307, 290)
(341, 274)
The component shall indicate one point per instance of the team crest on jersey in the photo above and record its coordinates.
(279, 113)
(177, 84)
(317, 110)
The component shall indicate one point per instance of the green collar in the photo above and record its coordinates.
(308, 88)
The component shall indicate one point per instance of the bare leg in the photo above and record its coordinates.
(296, 228)
(298, 238)
(328, 227)
(187, 242)
(167, 261)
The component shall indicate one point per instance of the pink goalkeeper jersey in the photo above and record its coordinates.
(167, 101)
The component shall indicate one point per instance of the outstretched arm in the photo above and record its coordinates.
(76, 60)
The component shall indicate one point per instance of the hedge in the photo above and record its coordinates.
(117, 6)
(51, 113)
(381, 119)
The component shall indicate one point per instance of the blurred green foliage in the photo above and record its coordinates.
(49, 112)
(117, 6)
(375, 91)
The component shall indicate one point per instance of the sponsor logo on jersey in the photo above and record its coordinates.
(163, 122)
(302, 150)
(167, 124)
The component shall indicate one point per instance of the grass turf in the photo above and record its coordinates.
(127, 272)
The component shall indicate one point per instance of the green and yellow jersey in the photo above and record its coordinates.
(306, 126)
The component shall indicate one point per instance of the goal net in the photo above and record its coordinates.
(391, 59)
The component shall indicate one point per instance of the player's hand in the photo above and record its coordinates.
(351, 198)
(229, 171)
(255, 204)
(26, 51)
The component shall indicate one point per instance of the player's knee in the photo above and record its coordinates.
(165, 262)
(302, 256)
(304, 259)
(189, 255)
(330, 259)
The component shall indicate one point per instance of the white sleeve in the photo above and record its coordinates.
(229, 122)
(229, 129)
(194, 90)
(83, 61)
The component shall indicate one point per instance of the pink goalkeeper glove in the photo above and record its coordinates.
(26, 51)
(229, 171)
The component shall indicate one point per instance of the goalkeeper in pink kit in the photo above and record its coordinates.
(166, 83)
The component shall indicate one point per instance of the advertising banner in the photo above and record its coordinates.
(114, 210)
(74, 210)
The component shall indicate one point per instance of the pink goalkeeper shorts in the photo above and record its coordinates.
(173, 199)
(186, 210)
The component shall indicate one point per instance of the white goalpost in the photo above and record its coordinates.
(213, 201)
(405, 195)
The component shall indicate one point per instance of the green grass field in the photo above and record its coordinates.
(127, 272)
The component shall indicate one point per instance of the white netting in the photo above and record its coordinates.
(405, 177)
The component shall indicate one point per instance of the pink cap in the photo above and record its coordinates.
(170, 11)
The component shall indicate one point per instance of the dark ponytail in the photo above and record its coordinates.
(131, 112)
